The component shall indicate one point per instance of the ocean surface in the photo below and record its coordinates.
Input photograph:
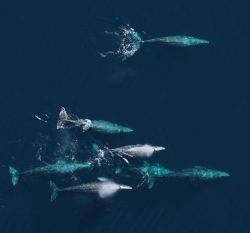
(194, 101)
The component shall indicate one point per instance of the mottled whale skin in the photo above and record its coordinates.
(109, 127)
(181, 41)
(131, 42)
(178, 41)
(104, 189)
(60, 167)
(147, 171)
(100, 126)
(198, 173)
(138, 150)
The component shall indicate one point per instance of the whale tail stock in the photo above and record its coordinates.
(14, 175)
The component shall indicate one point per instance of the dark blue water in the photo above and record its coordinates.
(194, 101)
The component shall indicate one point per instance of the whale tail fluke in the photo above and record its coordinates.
(14, 175)
(54, 191)
(63, 117)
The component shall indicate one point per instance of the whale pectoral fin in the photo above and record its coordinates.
(151, 180)
(14, 175)
(142, 181)
(127, 154)
(95, 148)
(54, 191)
(124, 159)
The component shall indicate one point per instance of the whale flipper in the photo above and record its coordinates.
(14, 175)
(54, 191)
(96, 149)
(150, 180)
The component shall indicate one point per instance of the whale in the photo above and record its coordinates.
(179, 41)
(100, 126)
(198, 173)
(60, 167)
(138, 150)
(104, 188)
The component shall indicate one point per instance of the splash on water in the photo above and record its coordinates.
(100, 158)
(129, 43)
(41, 118)
(67, 147)
(40, 146)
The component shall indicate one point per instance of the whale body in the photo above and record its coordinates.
(180, 41)
(60, 167)
(138, 150)
(104, 189)
(86, 124)
(198, 173)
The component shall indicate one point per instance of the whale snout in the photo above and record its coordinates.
(204, 42)
(224, 174)
(159, 148)
(125, 187)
